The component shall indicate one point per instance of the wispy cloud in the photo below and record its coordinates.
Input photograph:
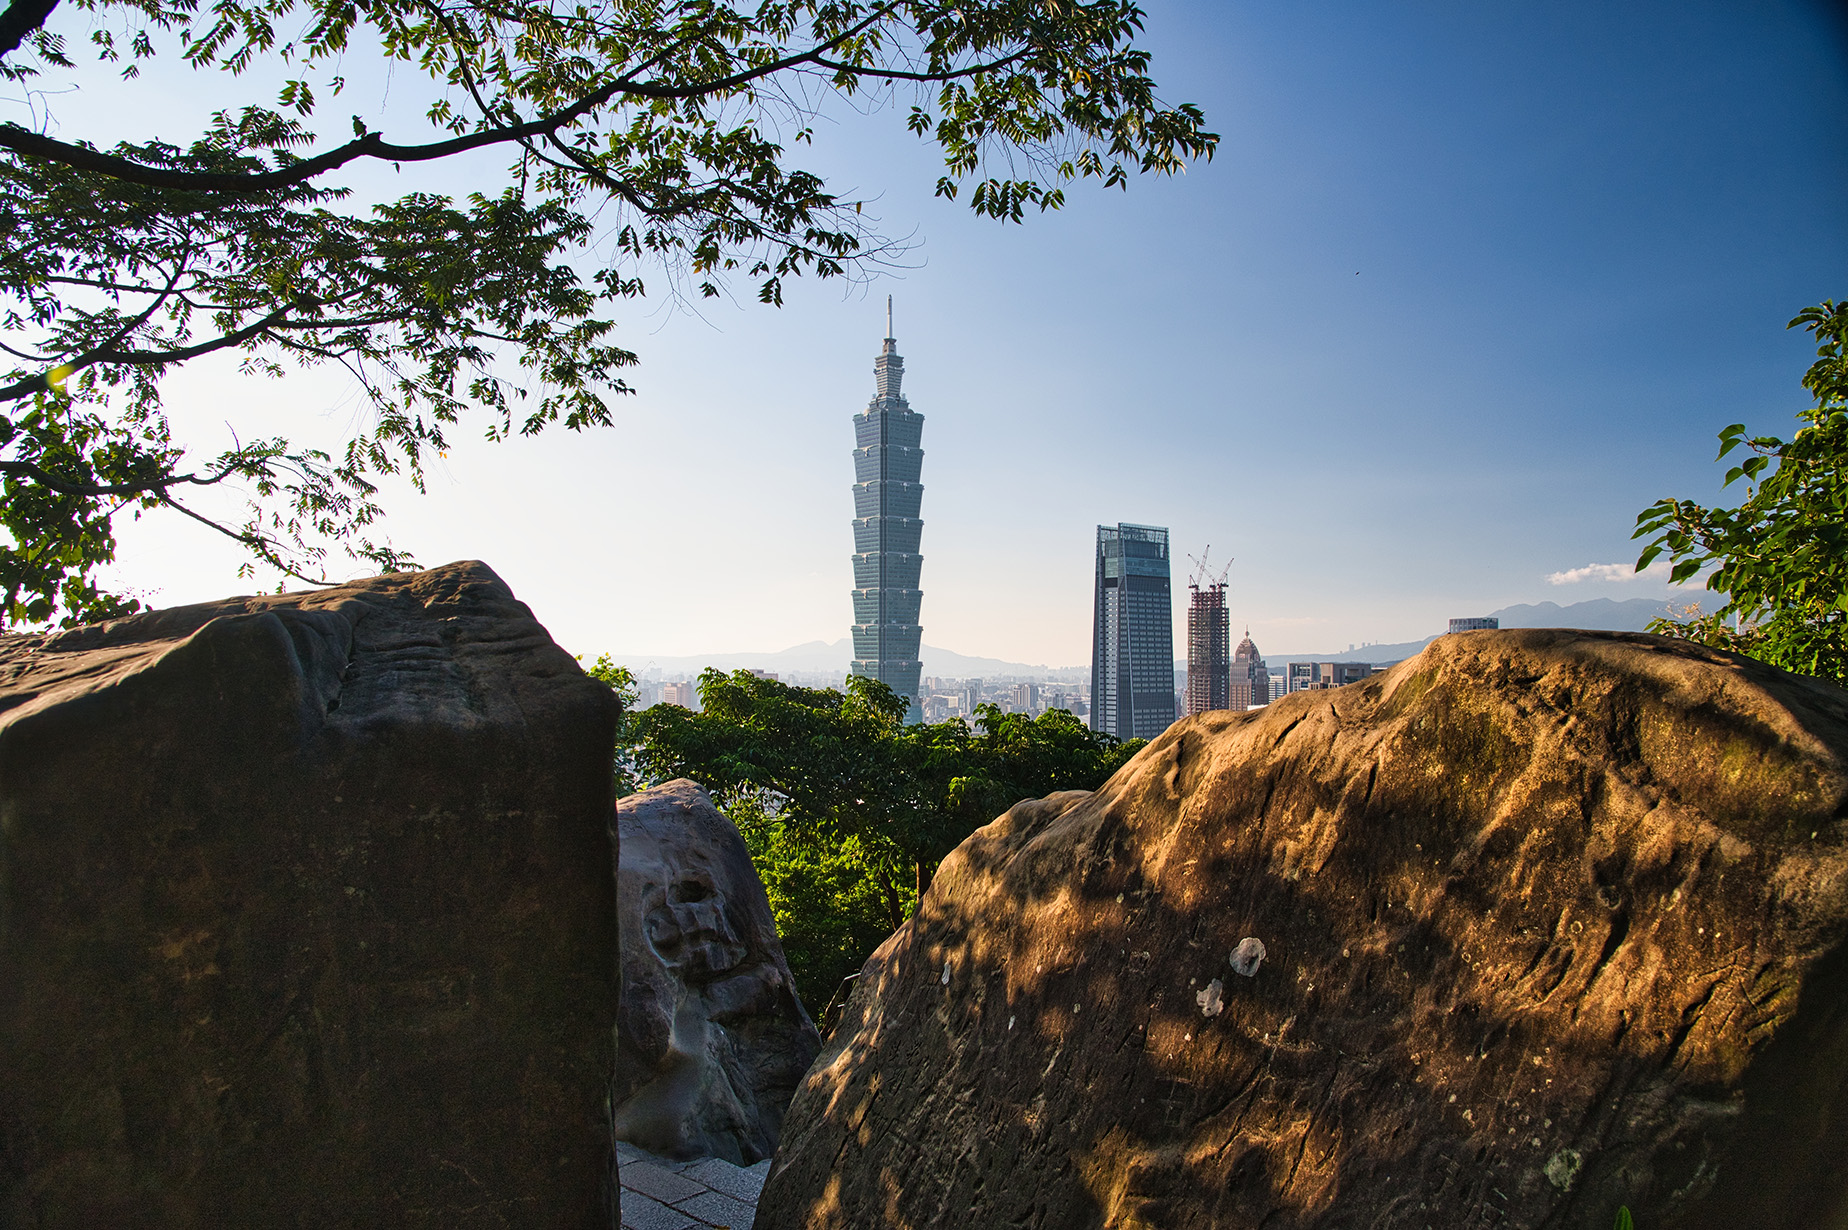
(1657, 571)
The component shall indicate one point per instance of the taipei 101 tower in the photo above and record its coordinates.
(887, 462)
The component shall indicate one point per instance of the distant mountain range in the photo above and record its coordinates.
(1599, 614)
(834, 657)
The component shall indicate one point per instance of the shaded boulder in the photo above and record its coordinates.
(306, 915)
(712, 1039)
(1540, 923)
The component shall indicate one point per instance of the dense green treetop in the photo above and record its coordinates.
(642, 137)
(847, 809)
(1781, 557)
(828, 767)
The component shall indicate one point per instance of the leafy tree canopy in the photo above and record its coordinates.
(621, 682)
(641, 137)
(846, 809)
(1781, 557)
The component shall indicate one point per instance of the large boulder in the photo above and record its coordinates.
(306, 916)
(1541, 923)
(712, 1039)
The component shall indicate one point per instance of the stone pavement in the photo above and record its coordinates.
(658, 1194)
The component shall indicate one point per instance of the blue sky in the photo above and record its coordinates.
(1466, 287)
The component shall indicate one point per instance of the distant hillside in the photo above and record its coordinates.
(818, 656)
(1601, 614)
(1632, 615)
(823, 657)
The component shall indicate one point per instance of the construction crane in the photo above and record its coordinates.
(1200, 570)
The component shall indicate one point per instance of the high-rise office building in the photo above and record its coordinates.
(888, 460)
(1132, 639)
(1209, 645)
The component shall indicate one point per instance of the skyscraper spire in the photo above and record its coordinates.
(888, 368)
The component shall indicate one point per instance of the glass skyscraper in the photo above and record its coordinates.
(1132, 640)
(888, 461)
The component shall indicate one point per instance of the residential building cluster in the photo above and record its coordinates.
(944, 699)
(651, 689)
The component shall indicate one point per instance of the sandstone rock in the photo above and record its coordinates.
(1554, 923)
(711, 1040)
(306, 916)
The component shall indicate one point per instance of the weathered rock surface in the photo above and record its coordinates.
(1554, 922)
(306, 916)
(711, 1040)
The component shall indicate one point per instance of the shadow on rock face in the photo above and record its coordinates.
(1550, 921)
(711, 1038)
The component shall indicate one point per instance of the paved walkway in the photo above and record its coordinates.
(661, 1195)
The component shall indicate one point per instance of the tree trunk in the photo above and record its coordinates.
(888, 893)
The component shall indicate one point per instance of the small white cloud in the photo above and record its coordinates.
(1609, 572)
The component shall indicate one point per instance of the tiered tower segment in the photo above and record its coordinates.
(888, 461)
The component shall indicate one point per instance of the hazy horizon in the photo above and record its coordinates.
(820, 657)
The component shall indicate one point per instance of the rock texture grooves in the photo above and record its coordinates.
(1554, 922)
(306, 916)
(711, 1041)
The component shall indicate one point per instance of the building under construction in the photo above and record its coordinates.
(1209, 643)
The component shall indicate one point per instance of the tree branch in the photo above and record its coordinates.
(373, 145)
(20, 19)
(894, 74)
(264, 547)
(143, 358)
(64, 486)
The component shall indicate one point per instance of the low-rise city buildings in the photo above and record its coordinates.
(1315, 676)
